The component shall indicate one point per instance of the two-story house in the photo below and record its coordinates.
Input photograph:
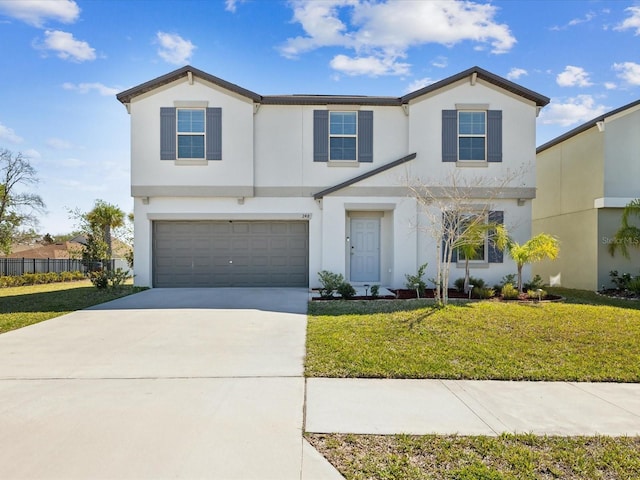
(585, 178)
(233, 188)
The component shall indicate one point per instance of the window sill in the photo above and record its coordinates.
(192, 162)
(472, 163)
(474, 264)
(343, 163)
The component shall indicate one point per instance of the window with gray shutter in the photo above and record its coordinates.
(190, 133)
(342, 136)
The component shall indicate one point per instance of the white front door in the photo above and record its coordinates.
(365, 250)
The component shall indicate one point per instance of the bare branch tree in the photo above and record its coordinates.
(16, 208)
(455, 207)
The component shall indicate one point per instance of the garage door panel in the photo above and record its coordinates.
(223, 253)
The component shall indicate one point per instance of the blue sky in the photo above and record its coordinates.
(63, 61)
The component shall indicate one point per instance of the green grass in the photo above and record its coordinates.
(485, 458)
(22, 306)
(577, 341)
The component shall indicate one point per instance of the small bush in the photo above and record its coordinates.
(483, 293)
(634, 286)
(330, 282)
(533, 284)
(38, 278)
(100, 279)
(117, 277)
(375, 291)
(510, 279)
(536, 294)
(476, 282)
(346, 290)
(415, 282)
(621, 282)
(509, 292)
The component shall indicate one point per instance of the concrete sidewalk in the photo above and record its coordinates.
(468, 407)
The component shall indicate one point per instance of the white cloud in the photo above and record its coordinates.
(81, 186)
(32, 153)
(629, 72)
(174, 49)
(67, 47)
(576, 21)
(37, 12)
(9, 135)
(231, 5)
(371, 65)
(386, 30)
(610, 85)
(516, 73)
(440, 62)
(574, 110)
(59, 144)
(573, 77)
(419, 83)
(87, 87)
(633, 22)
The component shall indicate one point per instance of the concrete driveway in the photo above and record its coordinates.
(168, 383)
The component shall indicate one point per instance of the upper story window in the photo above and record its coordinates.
(343, 136)
(472, 132)
(191, 133)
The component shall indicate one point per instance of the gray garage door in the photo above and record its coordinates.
(230, 254)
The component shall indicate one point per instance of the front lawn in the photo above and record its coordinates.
(403, 457)
(22, 306)
(478, 340)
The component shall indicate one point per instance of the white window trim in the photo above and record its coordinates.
(471, 135)
(348, 162)
(188, 160)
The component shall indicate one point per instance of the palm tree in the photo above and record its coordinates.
(533, 250)
(472, 240)
(102, 218)
(627, 234)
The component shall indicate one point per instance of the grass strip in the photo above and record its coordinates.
(22, 306)
(405, 457)
(477, 340)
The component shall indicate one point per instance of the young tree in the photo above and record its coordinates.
(103, 218)
(533, 250)
(17, 208)
(627, 234)
(448, 204)
(473, 238)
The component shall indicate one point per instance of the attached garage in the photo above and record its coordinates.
(230, 254)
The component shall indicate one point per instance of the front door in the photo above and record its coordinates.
(365, 250)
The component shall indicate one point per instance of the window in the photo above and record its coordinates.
(343, 136)
(472, 131)
(191, 133)
(472, 135)
(475, 237)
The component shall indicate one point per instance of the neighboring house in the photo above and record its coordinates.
(233, 188)
(585, 178)
(61, 250)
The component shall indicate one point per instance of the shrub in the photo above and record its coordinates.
(634, 286)
(100, 279)
(346, 290)
(476, 282)
(509, 292)
(117, 277)
(536, 294)
(483, 293)
(375, 291)
(510, 279)
(330, 282)
(415, 282)
(533, 284)
(621, 282)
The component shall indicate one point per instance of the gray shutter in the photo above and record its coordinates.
(320, 136)
(449, 135)
(365, 136)
(214, 134)
(494, 136)
(167, 133)
(495, 255)
(445, 238)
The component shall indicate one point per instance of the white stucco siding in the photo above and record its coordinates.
(518, 132)
(236, 166)
(622, 163)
